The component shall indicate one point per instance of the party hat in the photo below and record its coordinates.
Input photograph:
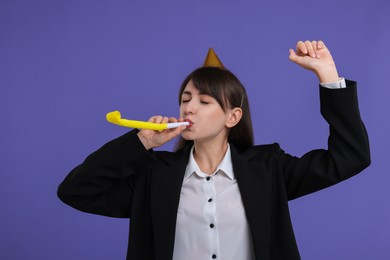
(212, 60)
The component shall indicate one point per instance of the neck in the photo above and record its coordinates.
(209, 155)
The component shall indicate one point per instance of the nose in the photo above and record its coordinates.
(189, 107)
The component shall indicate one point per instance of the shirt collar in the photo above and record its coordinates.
(224, 166)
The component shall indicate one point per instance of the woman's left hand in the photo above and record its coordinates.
(315, 56)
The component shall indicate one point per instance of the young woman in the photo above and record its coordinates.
(219, 196)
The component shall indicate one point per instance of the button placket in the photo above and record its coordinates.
(210, 210)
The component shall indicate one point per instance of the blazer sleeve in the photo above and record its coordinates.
(95, 185)
(348, 150)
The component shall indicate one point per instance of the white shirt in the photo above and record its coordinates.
(335, 85)
(211, 221)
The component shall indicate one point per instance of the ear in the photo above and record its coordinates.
(233, 117)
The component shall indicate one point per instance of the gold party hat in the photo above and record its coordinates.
(212, 60)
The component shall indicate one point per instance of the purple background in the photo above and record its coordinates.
(65, 64)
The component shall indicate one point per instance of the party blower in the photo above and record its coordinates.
(115, 118)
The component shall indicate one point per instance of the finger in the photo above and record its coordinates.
(301, 48)
(172, 120)
(156, 119)
(165, 120)
(321, 44)
(315, 48)
(152, 119)
(310, 49)
(323, 48)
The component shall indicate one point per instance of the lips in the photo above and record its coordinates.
(190, 123)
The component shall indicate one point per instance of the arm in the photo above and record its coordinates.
(348, 150)
(103, 183)
(348, 147)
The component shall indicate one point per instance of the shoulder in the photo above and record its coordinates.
(172, 157)
(263, 150)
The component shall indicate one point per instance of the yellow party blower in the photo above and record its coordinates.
(115, 118)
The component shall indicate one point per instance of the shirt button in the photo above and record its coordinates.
(211, 225)
(208, 178)
(210, 200)
(214, 256)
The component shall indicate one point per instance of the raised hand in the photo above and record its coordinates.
(316, 57)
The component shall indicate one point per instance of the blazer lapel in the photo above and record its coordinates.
(250, 170)
(166, 182)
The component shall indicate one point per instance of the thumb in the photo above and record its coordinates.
(293, 56)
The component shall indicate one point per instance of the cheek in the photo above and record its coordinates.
(218, 115)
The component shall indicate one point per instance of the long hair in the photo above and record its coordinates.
(228, 91)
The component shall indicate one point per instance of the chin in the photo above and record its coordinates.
(187, 136)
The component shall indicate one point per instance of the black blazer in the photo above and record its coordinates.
(122, 179)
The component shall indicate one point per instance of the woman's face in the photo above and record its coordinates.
(208, 116)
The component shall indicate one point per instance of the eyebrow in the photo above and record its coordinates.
(187, 93)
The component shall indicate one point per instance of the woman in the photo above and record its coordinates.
(218, 196)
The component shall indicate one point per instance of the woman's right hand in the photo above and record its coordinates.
(152, 139)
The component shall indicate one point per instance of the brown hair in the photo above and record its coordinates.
(228, 91)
